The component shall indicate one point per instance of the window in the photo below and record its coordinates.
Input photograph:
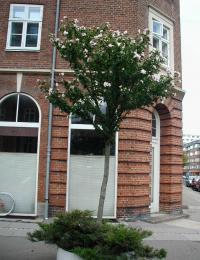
(19, 122)
(19, 108)
(24, 27)
(153, 125)
(162, 36)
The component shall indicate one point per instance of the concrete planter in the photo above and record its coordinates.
(65, 255)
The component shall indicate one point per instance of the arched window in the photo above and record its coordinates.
(19, 135)
(18, 108)
(19, 124)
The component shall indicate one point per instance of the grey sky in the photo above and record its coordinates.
(190, 27)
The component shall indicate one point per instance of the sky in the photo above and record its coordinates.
(190, 34)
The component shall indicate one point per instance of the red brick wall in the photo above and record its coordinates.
(27, 59)
(134, 163)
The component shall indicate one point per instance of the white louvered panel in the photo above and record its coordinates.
(85, 178)
(18, 176)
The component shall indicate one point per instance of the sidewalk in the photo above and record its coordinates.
(15, 246)
(179, 237)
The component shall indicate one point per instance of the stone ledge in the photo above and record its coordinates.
(159, 218)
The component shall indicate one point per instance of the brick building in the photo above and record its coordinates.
(51, 161)
(192, 158)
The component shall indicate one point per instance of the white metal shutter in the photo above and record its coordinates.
(85, 178)
(18, 176)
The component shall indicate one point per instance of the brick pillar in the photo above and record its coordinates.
(170, 159)
(134, 164)
(58, 173)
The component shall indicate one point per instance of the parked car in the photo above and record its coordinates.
(196, 185)
(190, 179)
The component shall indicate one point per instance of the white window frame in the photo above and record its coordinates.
(31, 125)
(25, 21)
(91, 127)
(165, 22)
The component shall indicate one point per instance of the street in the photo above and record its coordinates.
(180, 237)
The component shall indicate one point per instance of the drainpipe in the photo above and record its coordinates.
(50, 116)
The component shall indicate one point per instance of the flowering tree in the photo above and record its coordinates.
(113, 74)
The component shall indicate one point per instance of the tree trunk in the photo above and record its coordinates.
(104, 182)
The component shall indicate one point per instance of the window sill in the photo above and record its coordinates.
(22, 50)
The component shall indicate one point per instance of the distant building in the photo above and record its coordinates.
(192, 157)
(190, 138)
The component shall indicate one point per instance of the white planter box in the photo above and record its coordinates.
(65, 255)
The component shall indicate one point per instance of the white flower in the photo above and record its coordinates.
(125, 32)
(92, 43)
(156, 77)
(65, 33)
(143, 71)
(56, 39)
(62, 74)
(106, 84)
(117, 32)
(139, 31)
(50, 91)
(177, 74)
(76, 21)
(64, 17)
(63, 95)
(141, 81)
(110, 45)
(137, 56)
(63, 46)
(57, 84)
(98, 36)
(83, 34)
(96, 83)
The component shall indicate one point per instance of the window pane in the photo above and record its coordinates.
(34, 13)
(78, 120)
(32, 28)
(156, 43)
(157, 27)
(165, 49)
(31, 40)
(17, 28)
(28, 111)
(18, 12)
(8, 109)
(87, 142)
(153, 125)
(15, 40)
(18, 144)
(165, 33)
